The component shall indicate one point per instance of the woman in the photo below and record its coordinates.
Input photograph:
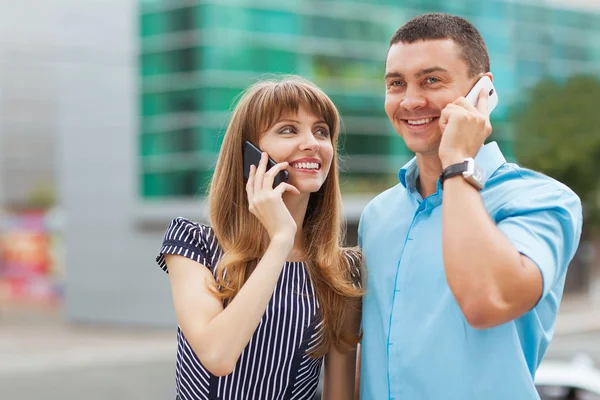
(266, 293)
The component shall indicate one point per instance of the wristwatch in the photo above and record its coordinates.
(472, 172)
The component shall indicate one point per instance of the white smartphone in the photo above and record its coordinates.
(484, 82)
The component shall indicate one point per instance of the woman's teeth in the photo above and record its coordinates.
(306, 165)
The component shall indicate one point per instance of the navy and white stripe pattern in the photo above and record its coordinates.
(275, 364)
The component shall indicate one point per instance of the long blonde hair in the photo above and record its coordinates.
(244, 239)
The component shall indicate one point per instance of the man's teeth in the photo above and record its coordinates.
(419, 121)
(305, 165)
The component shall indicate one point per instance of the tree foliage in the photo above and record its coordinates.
(557, 132)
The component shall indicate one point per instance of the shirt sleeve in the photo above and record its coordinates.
(360, 230)
(185, 238)
(544, 224)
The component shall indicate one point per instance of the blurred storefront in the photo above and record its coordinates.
(31, 259)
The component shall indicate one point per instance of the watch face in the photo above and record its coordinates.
(478, 174)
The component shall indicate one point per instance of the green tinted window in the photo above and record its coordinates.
(187, 183)
(179, 141)
(322, 26)
(249, 58)
(248, 19)
(170, 62)
(170, 21)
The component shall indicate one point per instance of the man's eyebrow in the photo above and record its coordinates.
(429, 71)
(393, 75)
(418, 74)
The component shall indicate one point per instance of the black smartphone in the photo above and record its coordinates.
(251, 155)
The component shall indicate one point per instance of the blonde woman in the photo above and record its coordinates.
(266, 293)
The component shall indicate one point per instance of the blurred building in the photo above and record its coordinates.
(28, 105)
(196, 56)
(141, 136)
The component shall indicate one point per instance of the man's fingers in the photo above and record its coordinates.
(482, 102)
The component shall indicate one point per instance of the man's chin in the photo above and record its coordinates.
(422, 142)
(423, 147)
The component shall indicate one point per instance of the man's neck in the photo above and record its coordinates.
(430, 168)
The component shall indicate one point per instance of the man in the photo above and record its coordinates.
(463, 282)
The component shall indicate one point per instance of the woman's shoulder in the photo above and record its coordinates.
(353, 255)
(354, 258)
(180, 227)
(185, 231)
(190, 239)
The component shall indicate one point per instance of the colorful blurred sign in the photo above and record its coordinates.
(31, 268)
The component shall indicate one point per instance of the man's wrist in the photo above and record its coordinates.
(456, 180)
(467, 169)
(451, 159)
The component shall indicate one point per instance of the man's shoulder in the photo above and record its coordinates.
(512, 181)
(384, 199)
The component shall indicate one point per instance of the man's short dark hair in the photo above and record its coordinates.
(434, 26)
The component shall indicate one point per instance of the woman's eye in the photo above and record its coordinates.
(287, 130)
(323, 132)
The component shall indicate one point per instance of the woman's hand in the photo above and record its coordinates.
(267, 203)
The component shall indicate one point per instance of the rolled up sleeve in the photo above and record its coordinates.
(544, 224)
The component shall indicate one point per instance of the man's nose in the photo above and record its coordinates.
(413, 99)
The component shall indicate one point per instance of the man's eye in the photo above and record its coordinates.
(395, 83)
(432, 80)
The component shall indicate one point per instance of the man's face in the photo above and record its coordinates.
(421, 78)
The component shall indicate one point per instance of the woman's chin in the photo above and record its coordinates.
(307, 187)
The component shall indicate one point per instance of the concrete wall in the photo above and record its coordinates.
(29, 55)
(110, 271)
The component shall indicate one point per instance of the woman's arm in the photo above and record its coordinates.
(340, 368)
(218, 336)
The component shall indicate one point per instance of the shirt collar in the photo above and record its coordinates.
(489, 158)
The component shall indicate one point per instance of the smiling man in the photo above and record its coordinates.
(465, 271)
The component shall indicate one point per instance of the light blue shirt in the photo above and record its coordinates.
(417, 343)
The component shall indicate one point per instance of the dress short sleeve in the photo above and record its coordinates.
(355, 263)
(189, 239)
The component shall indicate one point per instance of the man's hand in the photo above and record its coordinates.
(464, 129)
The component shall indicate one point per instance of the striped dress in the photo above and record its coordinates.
(275, 364)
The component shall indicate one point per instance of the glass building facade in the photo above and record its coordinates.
(197, 56)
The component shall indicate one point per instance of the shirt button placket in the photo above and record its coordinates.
(395, 324)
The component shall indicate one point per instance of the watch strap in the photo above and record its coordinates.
(453, 170)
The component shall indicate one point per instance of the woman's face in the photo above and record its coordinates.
(304, 141)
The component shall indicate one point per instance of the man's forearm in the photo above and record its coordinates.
(481, 264)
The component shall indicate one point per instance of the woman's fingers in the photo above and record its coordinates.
(286, 187)
(260, 172)
(270, 175)
(250, 183)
